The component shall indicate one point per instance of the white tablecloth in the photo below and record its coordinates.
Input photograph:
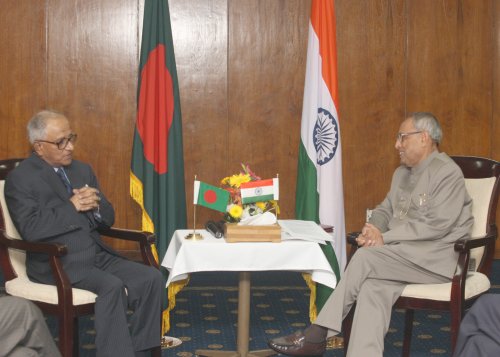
(210, 254)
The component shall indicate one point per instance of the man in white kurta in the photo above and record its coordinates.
(409, 239)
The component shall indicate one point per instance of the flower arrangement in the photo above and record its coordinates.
(236, 210)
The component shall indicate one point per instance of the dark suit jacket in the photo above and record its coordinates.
(41, 210)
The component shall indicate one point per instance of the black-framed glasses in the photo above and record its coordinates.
(401, 136)
(62, 143)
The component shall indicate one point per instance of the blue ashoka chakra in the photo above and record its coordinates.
(325, 136)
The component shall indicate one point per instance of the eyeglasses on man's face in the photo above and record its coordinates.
(401, 136)
(62, 143)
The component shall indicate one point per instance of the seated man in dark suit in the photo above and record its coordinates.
(53, 198)
(479, 333)
(23, 331)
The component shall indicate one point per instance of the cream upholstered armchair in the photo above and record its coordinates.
(482, 180)
(61, 299)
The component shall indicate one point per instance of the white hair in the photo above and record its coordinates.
(424, 121)
(38, 124)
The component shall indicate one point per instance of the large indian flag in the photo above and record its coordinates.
(319, 193)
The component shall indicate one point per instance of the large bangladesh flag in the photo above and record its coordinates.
(319, 195)
(157, 170)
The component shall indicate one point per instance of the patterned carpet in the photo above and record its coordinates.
(206, 314)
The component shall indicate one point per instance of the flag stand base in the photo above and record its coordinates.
(194, 236)
(169, 342)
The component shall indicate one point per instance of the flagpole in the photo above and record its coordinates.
(194, 235)
(277, 209)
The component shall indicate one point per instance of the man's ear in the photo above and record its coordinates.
(426, 137)
(37, 148)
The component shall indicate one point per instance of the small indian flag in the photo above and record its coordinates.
(260, 191)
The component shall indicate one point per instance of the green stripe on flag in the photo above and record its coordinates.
(306, 195)
(322, 291)
(212, 197)
(261, 198)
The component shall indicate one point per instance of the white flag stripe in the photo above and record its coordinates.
(196, 191)
(257, 191)
(318, 96)
(276, 186)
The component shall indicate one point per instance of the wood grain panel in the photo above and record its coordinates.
(92, 76)
(266, 60)
(241, 66)
(495, 85)
(449, 69)
(22, 72)
(371, 50)
(200, 39)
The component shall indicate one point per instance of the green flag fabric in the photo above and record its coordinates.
(157, 168)
(210, 196)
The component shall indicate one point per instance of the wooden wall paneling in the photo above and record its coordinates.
(92, 78)
(200, 39)
(241, 68)
(371, 75)
(266, 68)
(495, 87)
(452, 68)
(22, 72)
(449, 69)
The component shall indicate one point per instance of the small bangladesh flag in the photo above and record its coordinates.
(210, 196)
(260, 191)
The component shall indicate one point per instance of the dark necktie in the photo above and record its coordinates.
(62, 175)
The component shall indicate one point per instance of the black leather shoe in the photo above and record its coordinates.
(296, 345)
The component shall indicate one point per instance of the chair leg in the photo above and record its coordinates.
(456, 318)
(346, 328)
(156, 351)
(66, 335)
(408, 331)
(76, 338)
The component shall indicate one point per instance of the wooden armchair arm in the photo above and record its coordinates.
(463, 246)
(145, 240)
(54, 250)
(351, 238)
(33, 247)
(129, 234)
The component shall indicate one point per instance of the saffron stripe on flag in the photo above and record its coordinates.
(259, 191)
(259, 183)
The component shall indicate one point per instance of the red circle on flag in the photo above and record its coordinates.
(210, 196)
(155, 110)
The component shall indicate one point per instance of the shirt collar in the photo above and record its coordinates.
(416, 170)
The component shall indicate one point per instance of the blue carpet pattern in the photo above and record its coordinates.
(206, 314)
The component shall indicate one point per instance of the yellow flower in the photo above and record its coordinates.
(225, 181)
(237, 180)
(275, 205)
(261, 205)
(235, 211)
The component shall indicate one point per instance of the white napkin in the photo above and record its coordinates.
(263, 219)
